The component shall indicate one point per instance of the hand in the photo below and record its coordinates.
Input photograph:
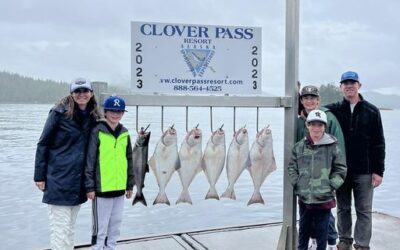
(41, 185)
(128, 194)
(376, 180)
(91, 195)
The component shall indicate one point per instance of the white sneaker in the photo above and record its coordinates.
(312, 244)
(332, 247)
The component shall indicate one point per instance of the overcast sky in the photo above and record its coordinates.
(61, 40)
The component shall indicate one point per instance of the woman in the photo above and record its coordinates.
(60, 159)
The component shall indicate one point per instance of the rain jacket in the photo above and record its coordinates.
(363, 133)
(109, 165)
(316, 170)
(60, 157)
(332, 128)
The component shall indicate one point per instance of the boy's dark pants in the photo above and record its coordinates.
(313, 220)
(332, 233)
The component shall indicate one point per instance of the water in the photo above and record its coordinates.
(24, 218)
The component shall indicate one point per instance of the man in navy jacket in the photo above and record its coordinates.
(365, 154)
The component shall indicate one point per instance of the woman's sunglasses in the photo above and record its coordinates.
(81, 90)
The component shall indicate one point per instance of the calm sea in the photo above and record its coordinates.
(24, 218)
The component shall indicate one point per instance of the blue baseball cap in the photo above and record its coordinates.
(114, 103)
(349, 75)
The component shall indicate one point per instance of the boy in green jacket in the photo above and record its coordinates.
(310, 100)
(316, 170)
(109, 174)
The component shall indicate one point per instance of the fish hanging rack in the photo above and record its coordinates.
(158, 100)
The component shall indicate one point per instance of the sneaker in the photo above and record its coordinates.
(343, 245)
(358, 247)
(313, 244)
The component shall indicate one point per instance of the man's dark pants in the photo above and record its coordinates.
(362, 189)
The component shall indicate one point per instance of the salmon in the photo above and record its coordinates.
(140, 167)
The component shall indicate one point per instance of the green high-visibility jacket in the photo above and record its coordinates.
(109, 165)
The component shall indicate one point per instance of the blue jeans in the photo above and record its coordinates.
(363, 190)
(313, 220)
(332, 233)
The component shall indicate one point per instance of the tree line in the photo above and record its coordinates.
(21, 89)
(15, 88)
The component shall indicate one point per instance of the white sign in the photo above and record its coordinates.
(197, 59)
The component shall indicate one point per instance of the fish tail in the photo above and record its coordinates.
(212, 193)
(256, 198)
(184, 197)
(161, 199)
(229, 193)
(139, 198)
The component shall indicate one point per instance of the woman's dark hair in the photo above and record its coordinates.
(69, 102)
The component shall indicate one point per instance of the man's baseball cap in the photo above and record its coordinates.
(309, 90)
(79, 83)
(349, 75)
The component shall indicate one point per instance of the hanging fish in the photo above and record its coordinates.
(190, 157)
(214, 160)
(237, 160)
(262, 162)
(140, 166)
(164, 162)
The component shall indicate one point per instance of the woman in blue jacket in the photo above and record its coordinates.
(60, 160)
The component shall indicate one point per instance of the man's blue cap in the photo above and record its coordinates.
(349, 75)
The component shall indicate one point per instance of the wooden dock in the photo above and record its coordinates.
(385, 236)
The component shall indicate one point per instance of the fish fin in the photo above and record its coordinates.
(178, 163)
(203, 164)
(161, 199)
(229, 193)
(212, 193)
(152, 163)
(248, 162)
(184, 198)
(139, 198)
(256, 198)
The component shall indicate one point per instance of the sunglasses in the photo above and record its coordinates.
(81, 90)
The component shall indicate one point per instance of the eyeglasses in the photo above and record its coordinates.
(81, 90)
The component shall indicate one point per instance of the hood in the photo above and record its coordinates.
(326, 140)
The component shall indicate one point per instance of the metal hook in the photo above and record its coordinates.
(187, 118)
(197, 125)
(220, 128)
(146, 128)
(211, 119)
(162, 119)
(257, 119)
(234, 119)
(137, 119)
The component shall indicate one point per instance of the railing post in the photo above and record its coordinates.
(98, 88)
(288, 237)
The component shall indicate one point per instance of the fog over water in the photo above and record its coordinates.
(24, 218)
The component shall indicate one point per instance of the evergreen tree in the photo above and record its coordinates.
(330, 93)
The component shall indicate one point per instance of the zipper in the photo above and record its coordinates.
(312, 176)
